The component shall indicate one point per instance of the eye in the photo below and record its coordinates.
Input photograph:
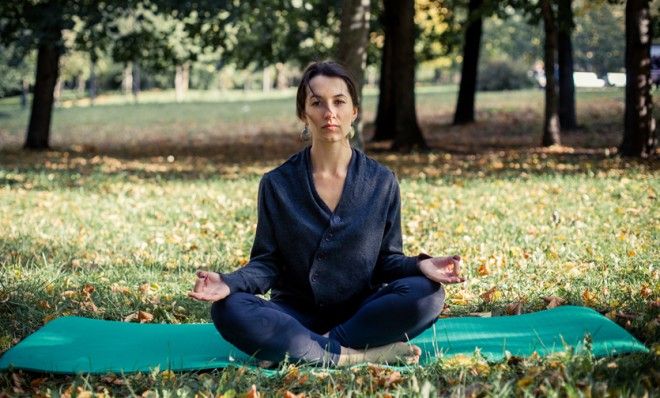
(340, 102)
(314, 103)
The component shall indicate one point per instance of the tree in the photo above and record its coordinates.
(399, 69)
(471, 47)
(567, 113)
(39, 25)
(551, 117)
(352, 50)
(436, 36)
(639, 138)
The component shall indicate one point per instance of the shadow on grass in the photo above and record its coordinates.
(457, 153)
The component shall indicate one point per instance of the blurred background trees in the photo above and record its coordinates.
(52, 49)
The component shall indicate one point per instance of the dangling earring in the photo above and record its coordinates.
(351, 132)
(304, 134)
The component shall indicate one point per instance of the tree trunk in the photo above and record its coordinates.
(127, 79)
(267, 79)
(57, 90)
(48, 59)
(136, 81)
(352, 51)
(178, 83)
(551, 118)
(80, 85)
(92, 83)
(386, 103)
(639, 137)
(399, 25)
(567, 114)
(466, 93)
(186, 78)
(25, 90)
(282, 80)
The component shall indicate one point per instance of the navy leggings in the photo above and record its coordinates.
(269, 330)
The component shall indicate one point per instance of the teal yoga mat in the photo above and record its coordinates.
(82, 345)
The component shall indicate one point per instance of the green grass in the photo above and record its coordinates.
(110, 231)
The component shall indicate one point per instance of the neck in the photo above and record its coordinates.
(331, 157)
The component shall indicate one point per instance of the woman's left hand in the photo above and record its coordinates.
(442, 269)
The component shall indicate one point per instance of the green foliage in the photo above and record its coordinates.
(599, 39)
(14, 69)
(497, 75)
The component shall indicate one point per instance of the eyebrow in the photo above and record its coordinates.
(312, 95)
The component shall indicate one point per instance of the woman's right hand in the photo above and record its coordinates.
(209, 286)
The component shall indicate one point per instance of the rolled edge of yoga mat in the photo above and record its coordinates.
(83, 345)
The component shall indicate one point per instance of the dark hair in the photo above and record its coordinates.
(324, 68)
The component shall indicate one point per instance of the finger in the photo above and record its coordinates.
(457, 264)
(199, 284)
(201, 274)
(200, 296)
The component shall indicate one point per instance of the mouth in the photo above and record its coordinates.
(330, 126)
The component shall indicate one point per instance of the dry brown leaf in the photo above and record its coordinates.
(144, 316)
(645, 291)
(393, 378)
(44, 305)
(514, 308)
(144, 288)
(553, 301)
(289, 394)
(119, 289)
(141, 316)
(588, 297)
(483, 270)
(38, 382)
(87, 290)
(491, 295)
(252, 393)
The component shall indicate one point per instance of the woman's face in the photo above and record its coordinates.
(329, 109)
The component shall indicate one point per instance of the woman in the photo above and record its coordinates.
(328, 246)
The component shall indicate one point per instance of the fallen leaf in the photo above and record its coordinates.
(491, 294)
(645, 291)
(144, 288)
(553, 301)
(588, 297)
(38, 382)
(252, 393)
(514, 308)
(119, 289)
(483, 270)
(141, 316)
(87, 290)
(289, 394)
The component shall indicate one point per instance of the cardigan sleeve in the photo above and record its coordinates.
(392, 264)
(261, 272)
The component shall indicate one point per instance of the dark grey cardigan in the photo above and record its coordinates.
(307, 254)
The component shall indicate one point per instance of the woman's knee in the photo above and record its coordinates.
(226, 312)
(430, 294)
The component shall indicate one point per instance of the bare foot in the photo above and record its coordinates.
(395, 353)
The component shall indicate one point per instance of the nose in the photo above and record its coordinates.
(329, 113)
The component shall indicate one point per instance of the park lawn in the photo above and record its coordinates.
(117, 234)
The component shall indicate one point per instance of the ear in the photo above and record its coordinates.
(355, 114)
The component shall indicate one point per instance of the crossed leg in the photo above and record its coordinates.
(378, 331)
